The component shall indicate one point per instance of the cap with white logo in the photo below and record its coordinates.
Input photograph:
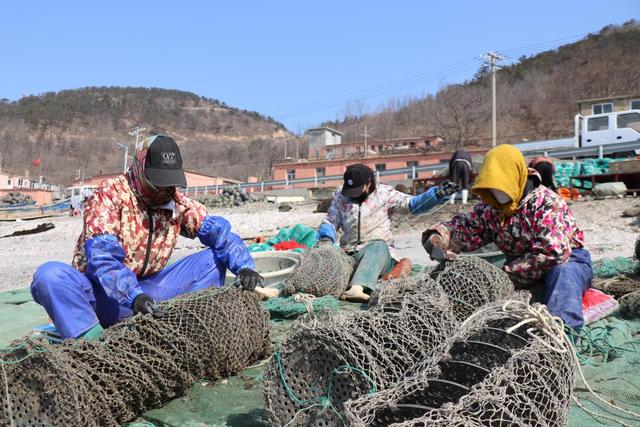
(163, 164)
(355, 178)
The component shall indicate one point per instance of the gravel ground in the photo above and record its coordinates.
(608, 234)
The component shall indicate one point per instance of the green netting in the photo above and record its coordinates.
(299, 233)
(239, 401)
(611, 267)
(565, 170)
(609, 356)
(259, 247)
(287, 307)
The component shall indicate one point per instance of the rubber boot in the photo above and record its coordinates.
(465, 196)
(93, 334)
(401, 269)
(452, 200)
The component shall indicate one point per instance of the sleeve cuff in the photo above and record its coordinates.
(133, 294)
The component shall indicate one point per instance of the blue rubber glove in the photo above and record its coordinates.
(432, 197)
(326, 231)
(425, 201)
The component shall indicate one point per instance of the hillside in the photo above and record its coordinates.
(536, 96)
(80, 129)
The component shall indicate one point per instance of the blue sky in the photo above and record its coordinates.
(298, 61)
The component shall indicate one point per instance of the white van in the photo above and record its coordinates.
(79, 193)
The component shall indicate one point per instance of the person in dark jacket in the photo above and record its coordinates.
(460, 173)
(546, 169)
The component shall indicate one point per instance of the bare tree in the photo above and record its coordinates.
(462, 114)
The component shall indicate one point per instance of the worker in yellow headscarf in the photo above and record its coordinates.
(531, 224)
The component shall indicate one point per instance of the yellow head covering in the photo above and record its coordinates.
(504, 169)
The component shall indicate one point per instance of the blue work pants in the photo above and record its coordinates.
(75, 304)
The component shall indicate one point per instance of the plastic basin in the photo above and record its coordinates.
(274, 266)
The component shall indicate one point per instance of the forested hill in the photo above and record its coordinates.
(536, 96)
(80, 129)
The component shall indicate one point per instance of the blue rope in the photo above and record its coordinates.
(325, 402)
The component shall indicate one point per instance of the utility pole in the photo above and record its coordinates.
(366, 135)
(286, 142)
(136, 131)
(126, 154)
(491, 59)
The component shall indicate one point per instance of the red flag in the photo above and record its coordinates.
(37, 162)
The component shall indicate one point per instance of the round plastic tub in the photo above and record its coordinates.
(274, 266)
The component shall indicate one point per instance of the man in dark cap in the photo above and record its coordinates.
(131, 226)
(361, 210)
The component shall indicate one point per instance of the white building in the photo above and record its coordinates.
(320, 138)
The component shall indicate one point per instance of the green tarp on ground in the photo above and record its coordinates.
(238, 400)
(617, 381)
(18, 315)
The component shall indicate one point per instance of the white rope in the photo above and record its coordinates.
(306, 299)
(553, 328)
(595, 415)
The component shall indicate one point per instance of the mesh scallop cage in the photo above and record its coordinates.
(508, 364)
(322, 365)
(324, 270)
(138, 365)
(471, 282)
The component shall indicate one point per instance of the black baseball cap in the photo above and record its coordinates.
(163, 164)
(355, 178)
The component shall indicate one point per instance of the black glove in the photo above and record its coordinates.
(447, 189)
(248, 279)
(144, 304)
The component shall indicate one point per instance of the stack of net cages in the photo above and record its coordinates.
(322, 364)
(508, 364)
(138, 364)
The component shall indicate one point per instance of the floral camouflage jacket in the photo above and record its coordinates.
(540, 235)
(369, 221)
(114, 209)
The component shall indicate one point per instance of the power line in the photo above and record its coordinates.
(375, 90)
(380, 92)
(381, 89)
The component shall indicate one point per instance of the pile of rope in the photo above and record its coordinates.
(325, 270)
(322, 365)
(507, 364)
(138, 365)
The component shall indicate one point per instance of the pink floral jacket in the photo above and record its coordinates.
(540, 235)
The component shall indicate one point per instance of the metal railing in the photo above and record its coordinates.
(562, 153)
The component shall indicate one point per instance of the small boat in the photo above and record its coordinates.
(34, 212)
